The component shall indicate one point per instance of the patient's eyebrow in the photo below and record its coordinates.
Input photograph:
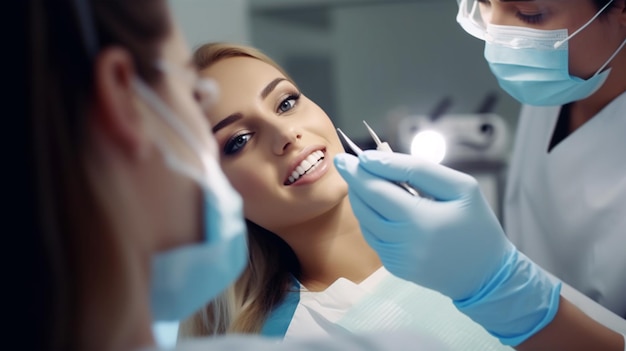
(237, 116)
(227, 121)
(270, 87)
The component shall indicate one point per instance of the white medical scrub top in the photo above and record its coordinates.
(381, 302)
(566, 209)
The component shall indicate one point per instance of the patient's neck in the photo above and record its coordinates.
(330, 247)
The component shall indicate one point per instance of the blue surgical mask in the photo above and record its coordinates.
(186, 278)
(533, 65)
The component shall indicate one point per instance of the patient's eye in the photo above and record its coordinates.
(288, 103)
(236, 143)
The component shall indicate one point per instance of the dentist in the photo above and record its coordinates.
(564, 204)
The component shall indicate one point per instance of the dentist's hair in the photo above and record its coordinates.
(599, 4)
(73, 246)
(272, 264)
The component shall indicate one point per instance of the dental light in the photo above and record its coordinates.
(476, 143)
(429, 144)
(448, 138)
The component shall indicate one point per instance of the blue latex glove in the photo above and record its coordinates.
(452, 242)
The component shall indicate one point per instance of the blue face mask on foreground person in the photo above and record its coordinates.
(184, 278)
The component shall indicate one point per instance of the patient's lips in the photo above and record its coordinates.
(307, 167)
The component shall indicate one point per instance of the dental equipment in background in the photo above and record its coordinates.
(381, 146)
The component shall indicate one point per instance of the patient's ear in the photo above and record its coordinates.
(116, 113)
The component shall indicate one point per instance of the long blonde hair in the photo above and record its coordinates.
(272, 264)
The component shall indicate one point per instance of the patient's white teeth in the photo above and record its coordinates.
(308, 164)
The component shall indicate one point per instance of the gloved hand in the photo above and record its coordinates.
(451, 242)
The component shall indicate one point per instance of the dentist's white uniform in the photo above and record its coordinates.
(566, 209)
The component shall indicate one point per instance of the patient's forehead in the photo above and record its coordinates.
(241, 81)
(242, 72)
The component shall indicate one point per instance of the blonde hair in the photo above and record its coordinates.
(209, 54)
(244, 307)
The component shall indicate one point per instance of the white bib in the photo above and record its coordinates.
(384, 302)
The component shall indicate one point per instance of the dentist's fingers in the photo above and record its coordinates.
(440, 182)
(372, 222)
(376, 195)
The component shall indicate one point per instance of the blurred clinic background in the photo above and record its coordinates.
(404, 66)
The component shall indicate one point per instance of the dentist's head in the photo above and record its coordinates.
(550, 53)
(135, 219)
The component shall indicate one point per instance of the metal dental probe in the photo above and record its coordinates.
(381, 147)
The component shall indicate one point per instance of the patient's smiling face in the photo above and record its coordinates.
(276, 145)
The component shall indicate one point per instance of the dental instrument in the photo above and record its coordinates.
(381, 146)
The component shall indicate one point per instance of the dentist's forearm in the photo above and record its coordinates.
(572, 330)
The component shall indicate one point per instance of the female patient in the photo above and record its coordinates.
(310, 269)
